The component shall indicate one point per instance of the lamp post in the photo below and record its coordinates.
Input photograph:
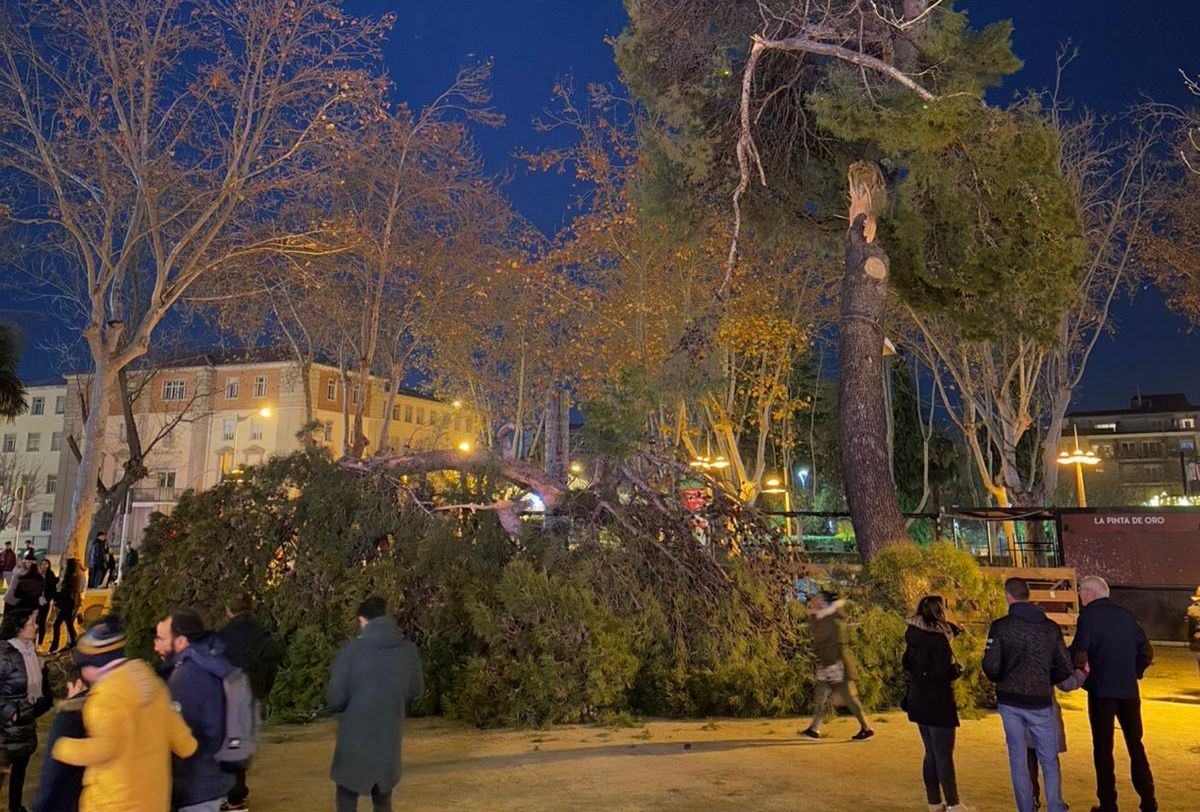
(265, 411)
(1079, 458)
(775, 486)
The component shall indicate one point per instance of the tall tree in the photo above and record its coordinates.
(151, 140)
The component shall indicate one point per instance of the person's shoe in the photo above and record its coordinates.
(231, 806)
(960, 808)
(937, 808)
(863, 735)
(810, 733)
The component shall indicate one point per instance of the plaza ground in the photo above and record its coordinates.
(730, 764)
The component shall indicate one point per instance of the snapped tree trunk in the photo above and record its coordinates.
(84, 493)
(557, 448)
(862, 425)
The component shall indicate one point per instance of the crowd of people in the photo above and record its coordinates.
(1028, 661)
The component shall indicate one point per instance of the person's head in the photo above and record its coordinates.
(20, 624)
(44, 565)
(1016, 590)
(932, 610)
(240, 605)
(102, 535)
(8, 545)
(72, 676)
(100, 646)
(371, 608)
(821, 600)
(1091, 588)
(29, 542)
(177, 631)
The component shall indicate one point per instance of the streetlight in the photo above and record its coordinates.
(464, 447)
(1079, 458)
(234, 470)
(775, 486)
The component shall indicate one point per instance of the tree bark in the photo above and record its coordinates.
(84, 495)
(870, 491)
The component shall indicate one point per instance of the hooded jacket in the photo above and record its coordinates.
(131, 730)
(61, 784)
(828, 630)
(374, 678)
(196, 688)
(931, 670)
(1026, 657)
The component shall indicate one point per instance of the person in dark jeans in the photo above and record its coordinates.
(1111, 644)
(248, 647)
(66, 602)
(931, 670)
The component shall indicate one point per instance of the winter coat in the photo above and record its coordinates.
(18, 732)
(62, 784)
(248, 647)
(931, 670)
(1193, 616)
(374, 678)
(196, 688)
(69, 593)
(827, 628)
(29, 590)
(1111, 643)
(1026, 657)
(97, 554)
(8, 560)
(131, 729)
(50, 593)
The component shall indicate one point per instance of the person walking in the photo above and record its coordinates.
(1113, 647)
(835, 666)
(30, 587)
(30, 552)
(24, 696)
(248, 647)
(374, 678)
(8, 561)
(131, 559)
(97, 556)
(196, 667)
(61, 784)
(67, 600)
(1193, 620)
(1026, 657)
(131, 726)
(49, 592)
(931, 669)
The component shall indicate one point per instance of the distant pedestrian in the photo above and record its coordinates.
(16, 594)
(131, 728)
(62, 784)
(197, 667)
(31, 586)
(1026, 657)
(67, 600)
(931, 669)
(1111, 644)
(836, 671)
(1193, 618)
(110, 570)
(248, 647)
(24, 696)
(8, 561)
(30, 553)
(373, 680)
(97, 557)
(131, 559)
(49, 593)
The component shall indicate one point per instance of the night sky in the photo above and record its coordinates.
(532, 42)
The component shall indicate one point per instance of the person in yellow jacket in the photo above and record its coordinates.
(132, 728)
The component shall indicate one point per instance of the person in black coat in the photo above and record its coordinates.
(62, 784)
(931, 670)
(248, 647)
(30, 588)
(49, 593)
(24, 696)
(67, 600)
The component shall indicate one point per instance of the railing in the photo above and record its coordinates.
(156, 494)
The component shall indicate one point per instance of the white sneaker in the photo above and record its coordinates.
(960, 808)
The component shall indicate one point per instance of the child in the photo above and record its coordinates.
(1071, 683)
(62, 784)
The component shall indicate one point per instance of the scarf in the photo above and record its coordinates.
(33, 667)
(945, 627)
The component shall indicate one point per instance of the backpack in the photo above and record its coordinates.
(242, 718)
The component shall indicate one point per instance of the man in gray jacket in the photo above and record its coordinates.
(374, 678)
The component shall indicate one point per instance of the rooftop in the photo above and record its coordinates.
(1162, 403)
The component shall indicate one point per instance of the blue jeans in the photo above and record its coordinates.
(1042, 730)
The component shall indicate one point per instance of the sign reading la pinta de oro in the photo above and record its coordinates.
(1134, 548)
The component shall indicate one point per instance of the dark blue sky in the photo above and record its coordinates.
(532, 42)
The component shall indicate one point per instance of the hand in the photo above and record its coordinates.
(74, 689)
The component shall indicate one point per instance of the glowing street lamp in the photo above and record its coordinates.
(775, 486)
(1079, 458)
(464, 447)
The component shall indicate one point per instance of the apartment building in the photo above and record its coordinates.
(1148, 449)
(208, 415)
(30, 446)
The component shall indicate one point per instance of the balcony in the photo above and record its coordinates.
(156, 495)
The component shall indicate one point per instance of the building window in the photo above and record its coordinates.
(231, 388)
(354, 396)
(256, 430)
(37, 406)
(174, 390)
(228, 426)
(55, 441)
(51, 483)
(25, 523)
(331, 389)
(260, 386)
(47, 522)
(1187, 423)
(10, 443)
(33, 442)
(408, 414)
(329, 431)
(165, 479)
(1106, 427)
(60, 404)
(420, 415)
(396, 411)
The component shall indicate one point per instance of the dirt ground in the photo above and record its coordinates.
(730, 764)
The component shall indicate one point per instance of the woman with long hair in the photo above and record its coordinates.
(66, 602)
(24, 696)
(931, 669)
(50, 580)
